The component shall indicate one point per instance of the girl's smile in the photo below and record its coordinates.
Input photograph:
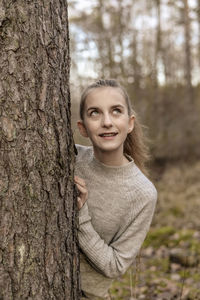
(106, 122)
(108, 135)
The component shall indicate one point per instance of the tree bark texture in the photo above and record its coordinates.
(38, 242)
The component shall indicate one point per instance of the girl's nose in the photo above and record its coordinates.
(106, 121)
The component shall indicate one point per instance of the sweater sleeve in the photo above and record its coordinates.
(114, 259)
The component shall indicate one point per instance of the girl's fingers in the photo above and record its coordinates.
(79, 180)
(79, 203)
(81, 189)
(82, 198)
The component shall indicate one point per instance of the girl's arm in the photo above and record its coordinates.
(114, 259)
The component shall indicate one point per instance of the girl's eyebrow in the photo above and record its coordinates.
(93, 107)
(117, 105)
(113, 106)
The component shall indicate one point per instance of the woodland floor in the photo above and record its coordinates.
(168, 266)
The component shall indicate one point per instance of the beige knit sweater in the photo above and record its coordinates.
(114, 221)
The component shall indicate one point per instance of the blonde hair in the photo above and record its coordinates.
(135, 143)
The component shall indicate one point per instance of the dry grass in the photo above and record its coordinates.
(179, 196)
(176, 225)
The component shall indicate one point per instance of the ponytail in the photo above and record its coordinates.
(135, 145)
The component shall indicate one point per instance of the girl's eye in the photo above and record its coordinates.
(117, 111)
(94, 113)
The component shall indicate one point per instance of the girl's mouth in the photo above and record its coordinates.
(110, 134)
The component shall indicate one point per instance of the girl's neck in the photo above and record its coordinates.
(111, 159)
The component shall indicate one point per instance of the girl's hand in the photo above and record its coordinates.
(82, 198)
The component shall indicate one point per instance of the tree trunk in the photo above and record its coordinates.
(136, 66)
(157, 43)
(108, 42)
(101, 38)
(198, 18)
(38, 244)
(120, 37)
(188, 64)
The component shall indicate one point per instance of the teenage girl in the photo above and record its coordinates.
(116, 200)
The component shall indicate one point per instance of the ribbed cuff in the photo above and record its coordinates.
(84, 214)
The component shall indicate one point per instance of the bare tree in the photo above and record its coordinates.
(198, 17)
(158, 42)
(134, 60)
(38, 249)
(188, 63)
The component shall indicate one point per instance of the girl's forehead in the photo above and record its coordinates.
(105, 96)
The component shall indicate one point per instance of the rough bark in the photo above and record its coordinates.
(38, 249)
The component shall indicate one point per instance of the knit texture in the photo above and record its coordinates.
(114, 221)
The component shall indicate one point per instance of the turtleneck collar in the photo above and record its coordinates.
(127, 168)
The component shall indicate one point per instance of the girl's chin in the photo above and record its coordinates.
(107, 148)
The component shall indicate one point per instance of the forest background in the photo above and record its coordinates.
(153, 49)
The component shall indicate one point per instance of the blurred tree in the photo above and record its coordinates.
(198, 18)
(38, 250)
(134, 61)
(188, 62)
(158, 43)
(121, 29)
(100, 39)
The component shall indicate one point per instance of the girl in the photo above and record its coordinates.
(116, 201)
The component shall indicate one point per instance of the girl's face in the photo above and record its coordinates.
(106, 120)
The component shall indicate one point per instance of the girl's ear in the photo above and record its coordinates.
(82, 128)
(131, 123)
